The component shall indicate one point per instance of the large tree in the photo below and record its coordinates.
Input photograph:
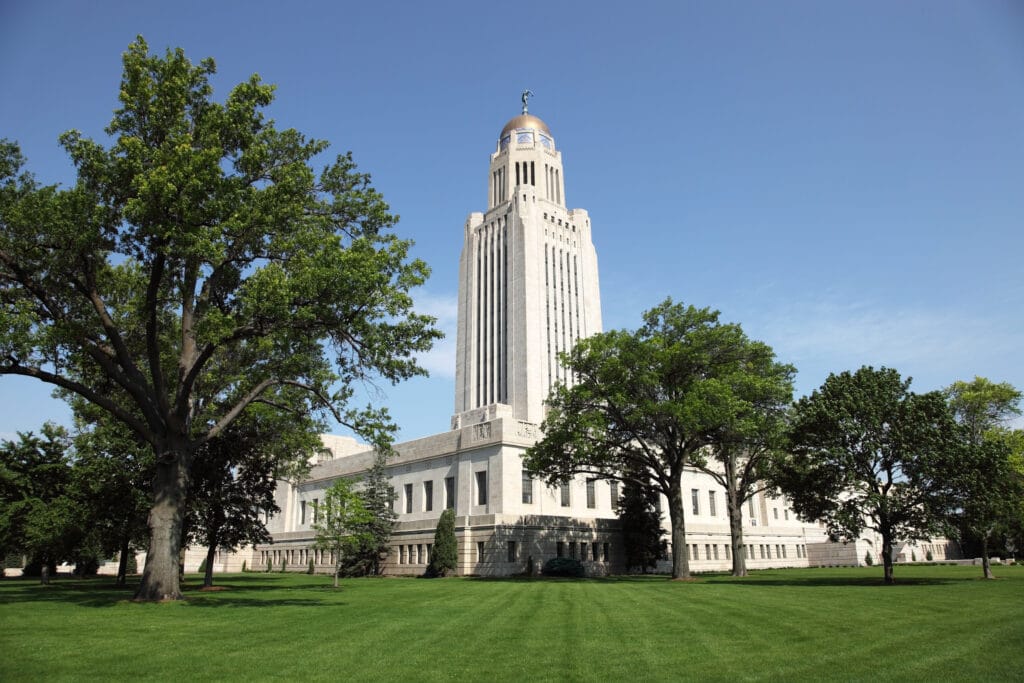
(197, 266)
(864, 454)
(643, 406)
(37, 516)
(375, 541)
(985, 478)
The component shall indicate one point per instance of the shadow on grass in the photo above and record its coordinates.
(234, 592)
(754, 579)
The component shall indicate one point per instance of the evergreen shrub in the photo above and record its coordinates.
(868, 560)
(563, 566)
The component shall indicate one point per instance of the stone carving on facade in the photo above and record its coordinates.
(482, 431)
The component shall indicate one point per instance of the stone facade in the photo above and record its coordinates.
(528, 289)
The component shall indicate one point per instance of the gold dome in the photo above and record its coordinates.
(524, 121)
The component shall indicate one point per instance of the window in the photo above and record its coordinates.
(694, 493)
(695, 552)
(750, 506)
(606, 555)
(715, 548)
(428, 496)
(707, 551)
(401, 554)
(408, 498)
(572, 550)
(711, 503)
(583, 550)
(726, 547)
(481, 488)
(479, 551)
(762, 552)
(785, 513)
(419, 553)
(591, 493)
(512, 551)
(302, 512)
(559, 549)
(565, 495)
(449, 493)
(613, 486)
(527, 488)
(783, 551)
(594, 552)
(775, 512)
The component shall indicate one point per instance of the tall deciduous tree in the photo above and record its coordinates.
(645, 405)
(341, 521)
(986, 481)
(864, 454)
(197, 266)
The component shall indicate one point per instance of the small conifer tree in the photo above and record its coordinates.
(446, 551)
(868, 560)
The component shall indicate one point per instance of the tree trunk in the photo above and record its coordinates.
(337, 570)
(887, 558)
(739, 551)
(160, 579)
(986, 567)
(680, 564)
(211, 553)
(122, 565)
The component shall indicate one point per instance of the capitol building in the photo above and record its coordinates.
(528, 290)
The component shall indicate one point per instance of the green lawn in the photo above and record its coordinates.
(937, 623)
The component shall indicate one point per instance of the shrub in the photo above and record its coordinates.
(309, 570)
(563, 566)
(868, 560)
(284, 564)
(913, 556)
(446, 550)
(928, 556)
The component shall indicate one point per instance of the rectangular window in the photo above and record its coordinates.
(302, 512)
(565, 495)
(594, 549)
(572, 549)
(419, 553)
(559, 549)
(726, 546)
(707, 551)
(696, 551)
(449, 493)
(778, 552)
(401, 554)
(715, 548)
(481, 488)
(762, 552)
(591, 493)
(694, 496)
(606, 552)
(428, 496)
(512, 551)
(479, 551)
(408, 498)
(775, 512)
(785, 512)
(784, 552)
(711, 503)
(527, 488)
(750, 506)
(613, 487)
(583, 550)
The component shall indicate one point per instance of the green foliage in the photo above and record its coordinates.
(284, 565)
(642, 533)
(563, 566)
(199, 266)
(202, 566)
(311, 568)
(375, 536)
(646, 405)
(928, 556)
(269, 565)
(445, 555)
(342, 522)
(868, 559)
(865, 454)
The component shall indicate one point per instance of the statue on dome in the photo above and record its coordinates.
(526, 95)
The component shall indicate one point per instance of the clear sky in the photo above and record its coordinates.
(844, 179)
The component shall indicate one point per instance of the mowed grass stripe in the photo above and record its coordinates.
(775, 625)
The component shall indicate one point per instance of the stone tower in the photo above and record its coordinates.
(528, 285)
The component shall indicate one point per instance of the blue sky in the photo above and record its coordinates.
(844, 179)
